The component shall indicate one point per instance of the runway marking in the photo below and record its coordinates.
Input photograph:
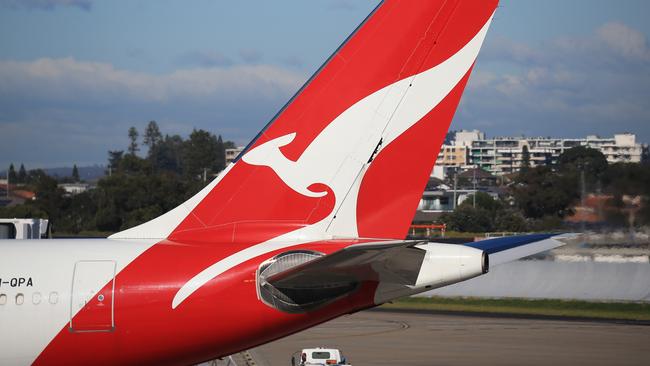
(401, 326)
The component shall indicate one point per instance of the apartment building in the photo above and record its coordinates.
(504, 155)
(456, 154)
(451, 155)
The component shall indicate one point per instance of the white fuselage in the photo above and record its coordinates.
(36, 283)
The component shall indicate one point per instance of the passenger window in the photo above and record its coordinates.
(20, 298)
(3, 299)
(54, 297)
(36, 298)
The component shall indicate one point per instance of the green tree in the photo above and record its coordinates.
(33, 176)
(49, 197)
(75, 173)
(466, 218)
(115, 158)
(489, 215)
(22, 174)
(79, 214)
(583, 159)
(169, 154)
(11, 175)
(627, 178)
(153, 139)
(133, 164)
(510, 220)
(221, 155)
(229, 145)
(137, 191)
(201, 152)
(133, 141)
(24, 211)
(484, 201)
(542, 192)
(525, 159)
(125, 201)
(152, 135)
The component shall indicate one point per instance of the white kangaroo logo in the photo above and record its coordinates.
(269, 154)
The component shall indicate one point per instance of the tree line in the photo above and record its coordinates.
(138, 186)
(156, 172)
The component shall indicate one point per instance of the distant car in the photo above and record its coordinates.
(318, 357)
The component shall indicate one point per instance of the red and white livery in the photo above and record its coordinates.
(307, 225)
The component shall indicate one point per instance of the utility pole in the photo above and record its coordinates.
(583, 188)
(455, 186)
(583, 196)
(7, 183)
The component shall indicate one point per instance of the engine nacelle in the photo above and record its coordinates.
(445, 264)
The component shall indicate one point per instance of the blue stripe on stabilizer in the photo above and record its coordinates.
(508, 242)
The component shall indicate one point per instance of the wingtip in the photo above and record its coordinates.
(568, 238)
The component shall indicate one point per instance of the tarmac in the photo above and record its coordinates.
(380, 337)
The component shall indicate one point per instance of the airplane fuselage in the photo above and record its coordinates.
(128, 317)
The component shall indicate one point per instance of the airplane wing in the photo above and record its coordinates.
(398, 261)
(399, 268)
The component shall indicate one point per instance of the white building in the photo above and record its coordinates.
(455, 156)
(74, 188)
(623, 148)
(231, 154)
(504, 155)
(465, 138)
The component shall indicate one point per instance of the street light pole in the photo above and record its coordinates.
(455, 187)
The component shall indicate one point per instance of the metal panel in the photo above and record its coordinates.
(92, 301)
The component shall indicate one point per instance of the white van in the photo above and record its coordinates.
(318, 357)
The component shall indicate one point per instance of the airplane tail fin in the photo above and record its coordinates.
(350, 154)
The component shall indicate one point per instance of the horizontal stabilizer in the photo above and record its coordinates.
(510, 248)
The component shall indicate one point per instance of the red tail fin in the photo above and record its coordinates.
(351, 153)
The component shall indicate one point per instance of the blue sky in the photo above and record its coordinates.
(75, 74)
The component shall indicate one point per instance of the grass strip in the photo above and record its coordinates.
(567, 308)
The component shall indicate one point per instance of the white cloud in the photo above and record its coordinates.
(70, 79)
(628, 42)
(569, 86)
(72, 109)
(563, 87)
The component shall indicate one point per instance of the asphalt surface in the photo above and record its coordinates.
(408, 338)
